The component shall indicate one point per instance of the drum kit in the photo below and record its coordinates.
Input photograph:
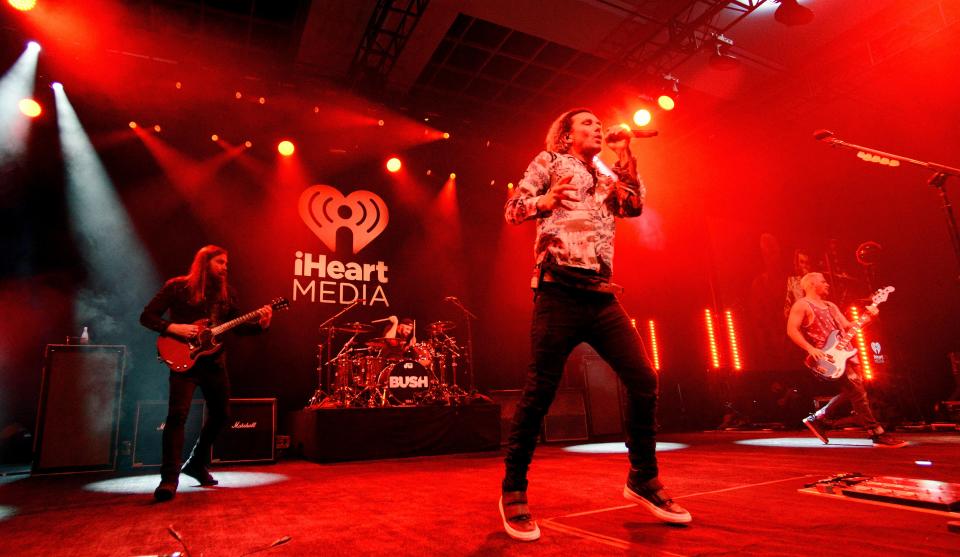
(381, 372)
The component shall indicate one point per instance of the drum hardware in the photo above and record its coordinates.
(355, 327)
(326, 328)
(468, 318)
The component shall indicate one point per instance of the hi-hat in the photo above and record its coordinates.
(355, 327)
(440, 326)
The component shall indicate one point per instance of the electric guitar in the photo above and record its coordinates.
(839, 346)
(181, 354)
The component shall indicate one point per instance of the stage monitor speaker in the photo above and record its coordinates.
(566, 420)
(148, 430)
(604, 395)
(78, 417)
(250, 434)
(508, 400)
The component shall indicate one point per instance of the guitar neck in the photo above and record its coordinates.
(857, 326)
(224, 327)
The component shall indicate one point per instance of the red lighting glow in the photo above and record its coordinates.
(642, 117)
(865, 366)
(446, 135)
(666, 102)
(732, 336)
(214, 137)
(453, 175)
(157, 128)
(133, 125)
(286, 148)
(654, 349)
(248, 144)
(712, 340)
(30, 107)
(23, 5)
(394, 164)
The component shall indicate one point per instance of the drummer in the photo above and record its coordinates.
(403, 329)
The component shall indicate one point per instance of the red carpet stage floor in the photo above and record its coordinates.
(745, 500)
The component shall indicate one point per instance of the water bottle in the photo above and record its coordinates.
(85, 336)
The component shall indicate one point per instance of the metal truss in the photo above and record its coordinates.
(390, 25)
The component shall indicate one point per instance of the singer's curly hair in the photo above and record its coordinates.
(555, 141)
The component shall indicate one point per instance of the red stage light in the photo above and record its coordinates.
(178, 85)
(865, 366)
(262, 100)
(248, 144)
(214, 137)
(30, 107)
(285, 148)
(446, 135)
(642, 117)
(133, 125)
(453, 175)
(654, 349)
(666, 102)
(381, 123)
(732, 337)
(712, 340)
(394, 164)
(23, 5)
(157, 128)
(510, 185)
(238, 95)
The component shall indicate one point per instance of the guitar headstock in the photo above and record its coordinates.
(881, 295)
(279, 303)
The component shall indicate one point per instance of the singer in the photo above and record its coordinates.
(574, 301)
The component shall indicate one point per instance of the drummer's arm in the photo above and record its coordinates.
(391, 330)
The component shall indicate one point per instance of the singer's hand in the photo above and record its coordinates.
(561, 194)
(266, 314)
(618, 140)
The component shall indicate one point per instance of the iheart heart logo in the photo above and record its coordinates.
(325, 211)
(875, 346)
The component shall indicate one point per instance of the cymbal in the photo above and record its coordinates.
(385, 343)
(440, 326)
(355, 327)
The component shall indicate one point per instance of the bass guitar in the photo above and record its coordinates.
(839, 346)
(181, 354)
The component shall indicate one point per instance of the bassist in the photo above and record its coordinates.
(204, 293)
(811, 320)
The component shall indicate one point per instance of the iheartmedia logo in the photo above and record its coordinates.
(409, 381)
(244, 425)
(875, 346)
(325, 211)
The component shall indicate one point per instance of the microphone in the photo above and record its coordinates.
(621, 133)
(820, 135)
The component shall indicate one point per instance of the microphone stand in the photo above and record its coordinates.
(324, 361)
(937, 180)
(469, 317)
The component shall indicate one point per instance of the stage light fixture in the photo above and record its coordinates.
(641, 117)
(133, 125)
(157, 128)
(712, 340)
(669, 92)
(56, 86)
(316, 110)
(865, 366)
(446, 135)
(23, 5)
(248, 144)
(792, 13)
(453, 175)
(381, 123)
(394, 165)
(654, 348)
(732, 338)
(178, 85)
(286, 148)
(33, 46)
(493, 182)
(721, 59)
(262, 100)
(214, 137)
(30, 108)
(238, 95)
(509, 185)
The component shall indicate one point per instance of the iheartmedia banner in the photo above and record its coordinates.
(319, 278)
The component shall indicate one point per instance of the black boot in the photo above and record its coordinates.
(166, 490)
(199, 472)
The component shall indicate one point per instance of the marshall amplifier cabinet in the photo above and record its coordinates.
(148, 430)
(250, 433)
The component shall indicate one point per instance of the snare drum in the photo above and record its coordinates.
(405, 380)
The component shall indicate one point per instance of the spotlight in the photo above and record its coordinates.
(394, 164)
(214, 137)
(380, 123)
(248, 144)
(178, 85)
(23, 5)
(33, 46)
(238, 95)
(133, 125)
(429, 172)
(453, 175)
(668, 97)
(262, 100)
(792, 13)
(30, 107)
(446, 135)
(316, 110)
(157, 128)
(56, 86)
(285, 148)
(642, 117)
(721, 59)
(509, 185)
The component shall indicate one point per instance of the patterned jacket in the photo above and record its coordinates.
(580, 237)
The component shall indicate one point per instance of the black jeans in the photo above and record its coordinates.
(563, 318)
(211, 376)
(852, 391)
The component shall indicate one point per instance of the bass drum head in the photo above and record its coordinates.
(405, 380)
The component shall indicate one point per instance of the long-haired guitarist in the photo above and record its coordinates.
(204, 294)
(811, 320)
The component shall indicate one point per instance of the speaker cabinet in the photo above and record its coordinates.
(566, 420)
(250, 433)
(604, 393)
(78, 417)
(148, 430)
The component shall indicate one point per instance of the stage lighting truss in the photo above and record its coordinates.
(721, 59)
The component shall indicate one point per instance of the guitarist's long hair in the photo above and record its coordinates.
(198, 279)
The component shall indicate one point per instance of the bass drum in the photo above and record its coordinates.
(406, 381)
